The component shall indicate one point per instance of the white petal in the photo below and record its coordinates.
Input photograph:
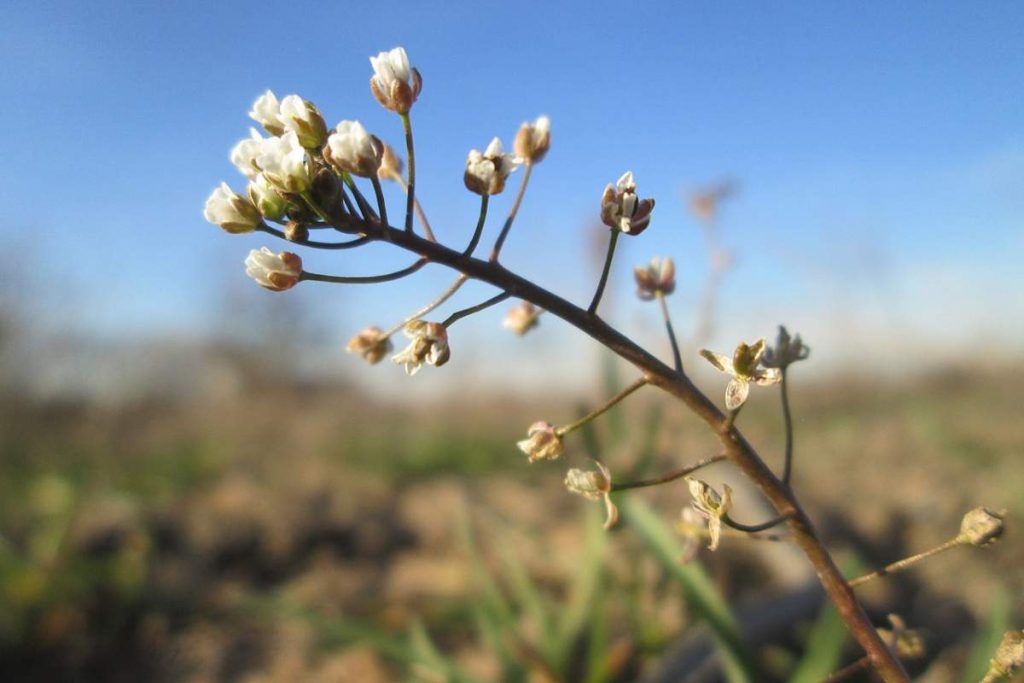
(723, 363)
(736, 393)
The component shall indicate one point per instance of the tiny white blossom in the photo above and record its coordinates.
(744, 368)
(266, 111)
(371, 343)
(429, 345)
(276, 272)
(283, 162)
(657, 278)
(543, 442)
(351, 149)
(244, 154)
(622, 210)
(394, 83)
(594, 485)
(303, 118)
(268, 201)
(231, 211)
(522, 317)
(486, 173)
(533, 140)
(711, 506)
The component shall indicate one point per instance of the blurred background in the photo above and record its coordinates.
(198, 484)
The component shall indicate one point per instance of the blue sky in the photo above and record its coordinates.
(879, 148)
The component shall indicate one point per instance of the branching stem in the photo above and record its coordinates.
(573, 426)
(459, 315)
(445, 295)
(671, 476)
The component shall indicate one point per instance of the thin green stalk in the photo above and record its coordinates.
(592, 309)
(459, 315)
(382, 208)
(475, 240)
(364, 279)
(500, 242)
(410, 196)
(572, 426)
(754, 528)
(671, 476)
(787, 419)
(676, 355)
(445, 295)
(907, 561)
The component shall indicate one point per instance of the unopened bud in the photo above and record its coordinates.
(372, 344)
(657, 278)
(395, 84)
(544, 442)
(296, 231)
(276, 272)
(533, 140)
(622, 210)
(304, 118)
(982, 526)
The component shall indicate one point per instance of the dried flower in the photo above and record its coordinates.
(522, 317)
(711, 506)
(371, 343)
(231, 211)
(296, 231)
(266, 111)
(394, 83)
(429, 344)
(533, 140)
(544, 442)
(906, 643)
(276, 272)
(244, 154)
(303, 118)
(351, 149)
(1008, 658)
(486, 173)
(744, 368)
(267, 200)
(787, 350)
(594, 485)
(694, 529)
(283, 162)
(982, 526)
(622, 210)
(390, 164)
(657, 278)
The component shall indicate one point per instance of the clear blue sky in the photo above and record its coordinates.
(880, 149)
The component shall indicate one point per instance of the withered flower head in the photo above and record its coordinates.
(622, 210)
(371, 343)
(982, 526)
(522, 317)
(711, 506)
(533, 140)
(744, 368)
(657, 278)
(594, 485)
(429, 345)
(787, 350)
(543, 442)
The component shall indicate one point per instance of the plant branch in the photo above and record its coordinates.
(410, 195)
(475, 240)
(420, 213)
(382, 208)
(364, 279)
(616, 399)
(500, 242)
(459, 315)
(592, 309)
(671, 476)
(753, 528)
(351, 244)
(906, 562)
(676, 355)
(444, 296)
(787, 419)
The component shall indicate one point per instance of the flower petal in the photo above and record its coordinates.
(736, 393)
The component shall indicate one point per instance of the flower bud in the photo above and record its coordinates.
(350, 149)
(486, 173)
(296, 231)
(1009, 656)
(906, 643)
(266, 110)
(267, 200)
(533, 140)
(391, 165)
(429, 345)
(283, 162)
(372, 344)
(276, 272)
(522, 318)
(982, 526)
(787, 350)
(303, 118)
(543, 443)
(394, 83)
(244, 154)
(594, 485)
(622, 210)
(657, 278)
(231, 211)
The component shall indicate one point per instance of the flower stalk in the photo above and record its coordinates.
(500, 242)
(615, 400)
(592, 309)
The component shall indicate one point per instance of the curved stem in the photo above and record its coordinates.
(475, 240)
(787, 419)
(382, 208)
(420, 213)
(906, 562)
(308, 198)
(676, 356)
(351, 244)
(671, 476)
(592, 309)
(847, 671)
(364, 206)
(573, 426)
(680, 386)
(459, 315)
(445, 295)
(364, 279)
(500, 242)
(410, 195)
(753, 528)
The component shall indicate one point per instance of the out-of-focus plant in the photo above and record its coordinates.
(305, 178)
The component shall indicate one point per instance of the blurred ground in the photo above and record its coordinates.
(296, 532)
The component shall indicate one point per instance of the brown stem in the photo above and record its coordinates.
(847, 671)
(906, 562)
(680, 386)
(666, 478)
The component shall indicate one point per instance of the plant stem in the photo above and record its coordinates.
(364, 279)
(736, 446)
(787, 419)
(410, 195)
(848, 670)
(351, 244)
(500, 242)
(382, 208)
(420, 213)
(753, 528)
(906, 562)
(592, 309)
(475, 240)
(573, 426)
(445, 295)
(676, 356)
(364, 206)
(671, 476)
(459, 315)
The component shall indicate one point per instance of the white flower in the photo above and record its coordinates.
(244, 154)
(622, 210)
(744, 368)
(283, 162)
(711, 506)
(533, 140)
(394, 83)
(276, 272)
(231, 211)
(372, 344)
(268, 201)
(266, 111)
(429, 344)
(522, 318)
(657, 278)
(304, 119)
(594, 485)
(351, 149)
(486, 173)
(544, 442)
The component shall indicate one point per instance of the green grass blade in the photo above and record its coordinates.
(824, 647)
(987, 641)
